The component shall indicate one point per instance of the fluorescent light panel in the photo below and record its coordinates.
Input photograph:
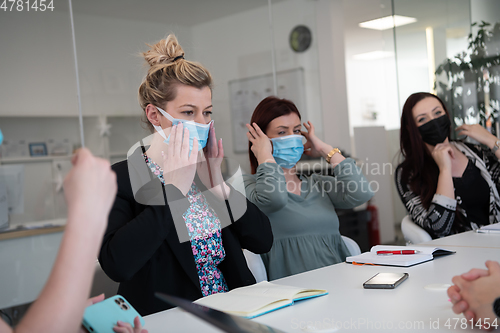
(387, 22)
(373, 55)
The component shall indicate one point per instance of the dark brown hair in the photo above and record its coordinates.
(269, 109)
(419, 169)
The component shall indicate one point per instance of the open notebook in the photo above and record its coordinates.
(258, 299)
(426, 253)
(224, 321)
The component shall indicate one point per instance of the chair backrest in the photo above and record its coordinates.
(413, 233)
(352, 246)
(102, 283)
(256, 266)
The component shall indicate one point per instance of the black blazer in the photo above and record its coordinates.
(141, 247)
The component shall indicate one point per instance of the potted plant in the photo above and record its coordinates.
(469, 84)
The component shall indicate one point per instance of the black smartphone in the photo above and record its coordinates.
(385, 280)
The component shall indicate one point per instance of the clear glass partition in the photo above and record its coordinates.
(251, 49)
(38, 112)
(425, 47)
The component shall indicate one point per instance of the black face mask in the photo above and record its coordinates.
(436, 130)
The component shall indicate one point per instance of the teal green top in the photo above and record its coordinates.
(306, 227)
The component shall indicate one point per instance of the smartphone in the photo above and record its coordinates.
(102, 317)
(385, 280)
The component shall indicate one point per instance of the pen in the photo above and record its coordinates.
(397, 252)
(487, 231)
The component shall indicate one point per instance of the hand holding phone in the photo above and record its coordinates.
(385, 280)
(113, 312)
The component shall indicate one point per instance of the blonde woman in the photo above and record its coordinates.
(176, 227)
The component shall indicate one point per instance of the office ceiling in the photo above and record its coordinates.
(436, 14)
(182, 12)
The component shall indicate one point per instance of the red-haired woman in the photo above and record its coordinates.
(447, 186)
(301, 209)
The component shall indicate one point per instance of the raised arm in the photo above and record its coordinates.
(267, 188)
(89, 189)
(349, 187)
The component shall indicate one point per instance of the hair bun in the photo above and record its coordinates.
(164, 52)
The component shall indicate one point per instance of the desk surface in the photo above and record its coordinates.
(409, 308)
(468, 239)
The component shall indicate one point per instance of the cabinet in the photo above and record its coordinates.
(43, 175)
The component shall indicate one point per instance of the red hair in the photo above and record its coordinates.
(269, 109)
(419, 169)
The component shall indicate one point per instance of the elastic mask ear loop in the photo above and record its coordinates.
(158, 128)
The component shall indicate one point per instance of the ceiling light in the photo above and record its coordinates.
(387, 22)
(373, 55)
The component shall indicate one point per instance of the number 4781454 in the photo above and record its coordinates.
(27, 5)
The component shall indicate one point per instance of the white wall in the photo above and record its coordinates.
(37, 72)
(38, 75)
(111, 67)
(239, 46)
(330, 21)
(38, 87)
(485, 10)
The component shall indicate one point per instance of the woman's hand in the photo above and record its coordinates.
(91, 301)
(478, 133)
(481, 293)
(443, 154)
(90, 187)
(459, 304)
(122, 327)
(209, 168)
(261, 145)
(179, 166)
(314, 147)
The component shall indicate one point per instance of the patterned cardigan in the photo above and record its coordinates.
(440, 219)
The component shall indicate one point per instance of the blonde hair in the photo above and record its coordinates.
(167, 70)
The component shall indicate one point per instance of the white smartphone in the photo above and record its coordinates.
(385, 280)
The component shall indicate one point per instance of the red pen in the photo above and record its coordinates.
(397, 252)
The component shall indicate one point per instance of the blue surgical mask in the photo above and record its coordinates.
(199, 131)
(287, 150)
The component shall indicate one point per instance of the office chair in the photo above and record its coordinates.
(102, 283)
(352, 246)
(413, 233)
(256, 265)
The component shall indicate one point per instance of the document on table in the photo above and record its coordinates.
(424, 253)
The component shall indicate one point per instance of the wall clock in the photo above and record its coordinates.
(300, 38)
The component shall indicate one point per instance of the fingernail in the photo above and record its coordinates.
(120, 322)
(162, 153)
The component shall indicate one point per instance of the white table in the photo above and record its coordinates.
(355, 308)
(468, 239)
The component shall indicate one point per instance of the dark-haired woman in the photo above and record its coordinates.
(447, 186)
(301, 209)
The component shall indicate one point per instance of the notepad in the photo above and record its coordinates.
(258, 299)
(426, 253)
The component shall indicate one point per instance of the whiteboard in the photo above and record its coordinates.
(246, 94)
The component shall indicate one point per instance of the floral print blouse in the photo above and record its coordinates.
(203, 227)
